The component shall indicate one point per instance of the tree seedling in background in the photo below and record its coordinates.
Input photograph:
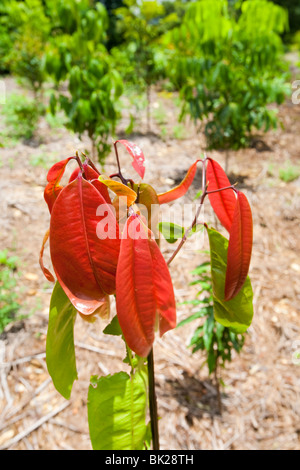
(228, 69)
(215, 339)
(141, 24)
(29, 29)
(103, 246)
(9, 305)
(78, 55)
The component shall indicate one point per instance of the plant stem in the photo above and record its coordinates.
(217, 381)
(186, 233)
(148, 107)
(152, 402)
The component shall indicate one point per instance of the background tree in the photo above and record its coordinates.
(141, 24)
(77, 54)
(228, 70)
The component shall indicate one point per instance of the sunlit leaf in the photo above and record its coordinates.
(117, 406)
(239, 248)
(54, 176)
(60, 350)
(181, 189)
(84, 245)
(238, 312)
(119, 189)
(222, 202)
(137, 155)
(143, 288)
(171, 232)
(49, 276)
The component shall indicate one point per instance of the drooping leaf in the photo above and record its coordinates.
(117, 406)
(237, 313)
(143, 288)
(163, 290)
(54, 176)
(60, 350)
(84, 245)
(222, 202)
(239, 248)
(48, 275)
(181, 189)
(137, 155)
(136, 308)
(119, 189)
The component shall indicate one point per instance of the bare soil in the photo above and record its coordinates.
(261, 392)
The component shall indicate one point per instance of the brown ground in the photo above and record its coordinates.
(261, 397)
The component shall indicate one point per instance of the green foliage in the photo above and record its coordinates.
(228, 68)
(141, 60)
(29, 28)
(218, 341)
(117, 404)
(60, 348)
(78, 55)
(9, 304)
(236, 313)
(289, 172)
(21, 115)
(117, 407)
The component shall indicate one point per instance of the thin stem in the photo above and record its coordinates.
(152, 402)
(80, 164)
(186, 233)
(117, 158)
(217, 381)
(119, 174)
(232, 186)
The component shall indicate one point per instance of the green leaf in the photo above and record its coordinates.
(211, 361)
(113, 328)
(237, 313)
(208, 328)
(60, 350)
(117, 412)
(171, 232)
(191, 318)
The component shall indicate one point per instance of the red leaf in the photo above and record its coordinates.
(163, 290)
(222, 202)
(181, 189)
(85, 265)
(137, 155)
(143, 288)
(239, 247)
(46, 271)
(54, 176)
(92, 176)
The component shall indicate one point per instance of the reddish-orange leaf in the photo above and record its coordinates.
(143, 288)
(136, 307)
(137, 155)
(239, 247)
(181, 189)
(222, 202)
(46, 271)
(54, 176)
(102, 311)
(84, 245)
(92, 176)
(163, 290)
